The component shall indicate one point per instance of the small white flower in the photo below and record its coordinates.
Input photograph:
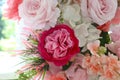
(86, 33)
(71, 14)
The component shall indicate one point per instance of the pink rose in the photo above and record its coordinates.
(58, 44)
(116, 19)
(11, 11)
(105, 27)
(39, 14)
(99, 11)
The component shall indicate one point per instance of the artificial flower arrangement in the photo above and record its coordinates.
(68, 39)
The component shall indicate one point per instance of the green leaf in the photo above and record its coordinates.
(43, 75)
(27, 75)
(65, 67)
(105, 38)
(46, 67)
(35, 60)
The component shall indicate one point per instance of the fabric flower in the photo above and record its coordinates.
(11, 11)
(39, 14)
(76, 72)
(99, 11)
(58, 44)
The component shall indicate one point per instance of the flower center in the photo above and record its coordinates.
(58, 42)
(33, 6)
(103, 5)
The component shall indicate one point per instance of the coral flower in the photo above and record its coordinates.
(11, 11)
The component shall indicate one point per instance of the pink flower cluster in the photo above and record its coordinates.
(72, 39)
(104, 67)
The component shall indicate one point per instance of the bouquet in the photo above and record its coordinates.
(68, 39)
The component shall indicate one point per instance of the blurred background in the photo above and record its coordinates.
(7, 32)
(9, 64)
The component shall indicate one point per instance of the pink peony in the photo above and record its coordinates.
(11, 11)
(115, 48)
(39, 14)
(115, 36)
(58, 44)
(99, 11)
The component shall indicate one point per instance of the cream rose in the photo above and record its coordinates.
(99, 11)
(39, 14)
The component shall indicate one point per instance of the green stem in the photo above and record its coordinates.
(44, 72)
